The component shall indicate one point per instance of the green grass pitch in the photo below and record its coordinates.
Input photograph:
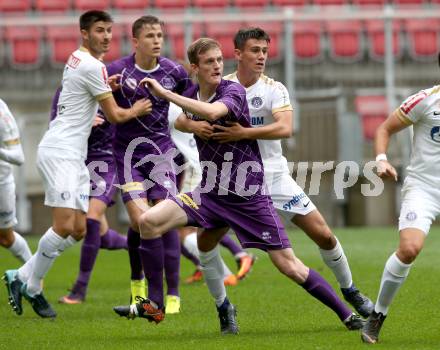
(273, 313)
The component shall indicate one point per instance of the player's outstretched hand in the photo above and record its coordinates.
(385, 169)
(142, 107)
(203, 129)
(155, 88)
(233, 132)
(115, 81)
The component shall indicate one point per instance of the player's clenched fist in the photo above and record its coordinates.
(142, 107)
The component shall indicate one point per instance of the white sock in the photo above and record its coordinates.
(336, 260)
(25, 271)
(48, 250)
(20, 248)
(67, 243)
(190, 243)
(212, 268)
(394, 274)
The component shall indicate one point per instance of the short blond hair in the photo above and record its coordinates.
(199, 47)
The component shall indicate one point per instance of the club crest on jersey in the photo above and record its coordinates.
(73, 61)
(435, 134)
(256, 101)
(131, 83)
(168, 83)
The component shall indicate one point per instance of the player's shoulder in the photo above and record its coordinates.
(271, 83)
(229, 85)
(420, 99)
(232, 76)
(169, 65)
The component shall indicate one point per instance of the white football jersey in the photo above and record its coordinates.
(422, 110)
(85, 82)
(265, 98)
(184, 141)
(9, 135)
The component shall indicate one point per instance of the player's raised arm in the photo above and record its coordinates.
(116, 114)
(390, 126)
(208, 111)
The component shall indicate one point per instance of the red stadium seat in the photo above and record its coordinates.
(52, 5)
(130, 4)
(63, 40)
(307, 41)
(224, 34)
(210, 3)
(345, 38)
(369, 3)
(275, 31)
(115, 51)
(408, 3)
(86, 5)
(176, 35)
(292, 3)
(170, 4)
(373, 110)
(25, 46)
(15, 5)
(423, 38)
(328, 2)
(376, 39)
(250, 3)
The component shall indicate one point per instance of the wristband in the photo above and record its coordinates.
(381, 156)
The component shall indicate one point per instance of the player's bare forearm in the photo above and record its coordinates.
(205, 110)
(390, 126)
(116, 114)
(183, 124)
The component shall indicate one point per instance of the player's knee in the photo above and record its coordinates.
(409, 252)
(327, 240)
(6, 240)
(149, 225)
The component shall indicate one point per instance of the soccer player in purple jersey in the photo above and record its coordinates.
(102, 169)
(61, 158)
(142, 146)
(229, 195)
(268, 101)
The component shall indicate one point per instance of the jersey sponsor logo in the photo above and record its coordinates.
(435, 134)
(294, 201)
(256, 101)
(408, 105)
(257, 120)
(131, 83)
(65, 195)
(168, 83)
(73, 61)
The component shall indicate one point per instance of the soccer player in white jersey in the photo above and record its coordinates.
(61, 157)
(11, 153)
(420, 193)
(271, 117)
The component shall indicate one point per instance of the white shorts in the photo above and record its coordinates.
(7, 205)
(420, 207)
(288, 198)
(66, 181)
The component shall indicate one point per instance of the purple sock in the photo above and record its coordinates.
(133, 243)
(89, 252)
(317, 286)
(231, 245)
(113, 240)
(171, 247)
(152, 256)
(185, 252)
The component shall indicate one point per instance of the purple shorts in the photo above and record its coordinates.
(103, 178)
(152, 180)
(254, 219)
